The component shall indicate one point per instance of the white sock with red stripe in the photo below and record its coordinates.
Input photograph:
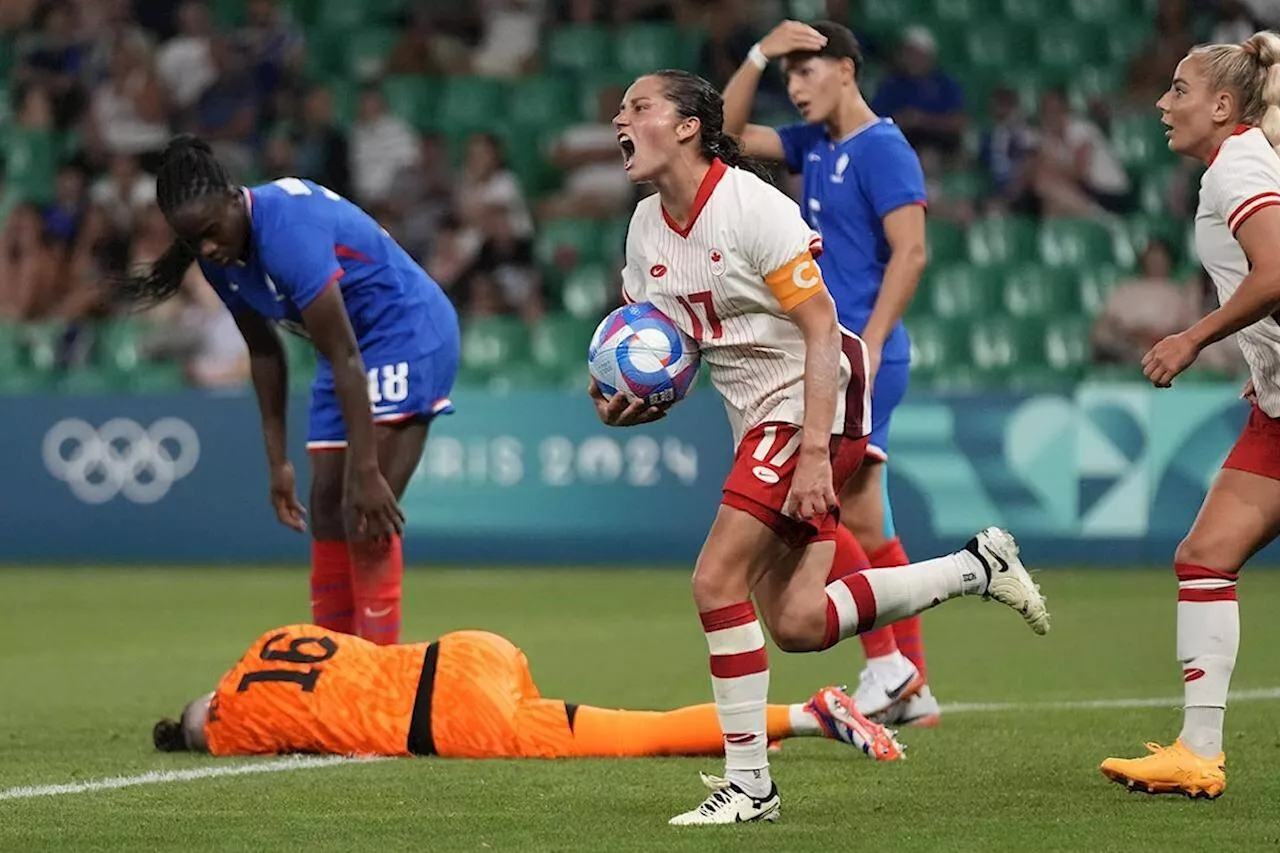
(873, 598)
(740, 683)
(1208, 640)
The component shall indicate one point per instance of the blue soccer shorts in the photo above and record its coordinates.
(399, 389)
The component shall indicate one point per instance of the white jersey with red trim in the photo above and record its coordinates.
(728, 279)
(1242, 178)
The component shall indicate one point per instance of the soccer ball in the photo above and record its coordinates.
(638, 350)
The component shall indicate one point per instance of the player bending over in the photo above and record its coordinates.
(1223, 108)
(293, 253)
(303, 688)
(864, 193)
(729, 259)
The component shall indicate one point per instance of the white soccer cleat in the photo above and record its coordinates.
(1008, 581)
(919, 710)
(879, 689)
(838, 715)
(730, 804)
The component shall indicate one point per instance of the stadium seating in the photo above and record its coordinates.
(1006, 300)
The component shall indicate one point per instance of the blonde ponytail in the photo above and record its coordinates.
(1251, 71)
(1265, 46)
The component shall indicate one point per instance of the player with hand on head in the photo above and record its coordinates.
(1223, 108)
(728, 258)
(292, 253)
(469, 694)
(864, 193)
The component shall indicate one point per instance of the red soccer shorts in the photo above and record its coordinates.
(762, 473)
(1257, 450)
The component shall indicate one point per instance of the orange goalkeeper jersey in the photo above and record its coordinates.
(302, 688)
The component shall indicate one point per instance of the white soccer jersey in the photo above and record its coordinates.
(728, 279)
(1242, 178)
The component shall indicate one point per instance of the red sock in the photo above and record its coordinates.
(851, 606)
(377, 568)
(906, 632)
(331, 601)
(880, 642)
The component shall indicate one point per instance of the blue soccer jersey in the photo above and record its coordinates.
(305, 238)
(849, 187)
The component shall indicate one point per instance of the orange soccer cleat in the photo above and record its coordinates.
(1170, 770)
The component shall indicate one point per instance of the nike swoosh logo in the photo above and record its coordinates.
(1004, 567)
(377, 614)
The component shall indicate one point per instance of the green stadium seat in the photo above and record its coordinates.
(1095, 285)
(1130, 238)
(31, 163)
(1139, 138)
(470, 103)
(963, 12)
(971, 184)
(1038, 379)
(154, 378)
(302, 361)
(1033, 12)
(945, 241)
(613, 240)
(90, 380)
(641, 48)
(562, 243)
(525, 376)
(885, 17)
(1067, 344)
(1125, 41)
(559, 342)
(10, 346)
(228, 13)
(962, 291)
(589, 291)
(491, 343)
(1005, 344)
(1037, 291)
(40, 342)
(343, 14)
(935, 345)
(413, 98)
(584, 48)
(544, 102)
(1103, 11)
(1073, 242)
(118, 346)
(326, 57)
(992, 44)
(1068, 45)
(1089, 83)
(368, 50)
(954, 377)
(999, 240)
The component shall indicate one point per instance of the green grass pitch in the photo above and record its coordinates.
(89, 658)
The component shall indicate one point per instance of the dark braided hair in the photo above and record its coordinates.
(188, 171)
(167, 736)
(695, 97)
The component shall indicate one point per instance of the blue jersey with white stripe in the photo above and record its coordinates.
(305, 237)
(849, 187)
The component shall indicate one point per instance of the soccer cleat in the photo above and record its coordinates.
(877, 692)
(728, 803)
(1008, 581)
(838, 715)
(920, 710)
(1170, 770)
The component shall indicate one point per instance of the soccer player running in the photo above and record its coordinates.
(728, 258)
(295, 254)
(1223, 108)
(469, 694)
(864, 193)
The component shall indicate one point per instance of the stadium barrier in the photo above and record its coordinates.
(1103, 474)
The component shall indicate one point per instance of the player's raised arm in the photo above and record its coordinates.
(269, 370)
(758, 140)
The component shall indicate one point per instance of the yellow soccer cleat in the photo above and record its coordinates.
(1170, 770)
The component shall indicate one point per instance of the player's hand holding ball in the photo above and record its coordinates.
(641, 364)
(1168, 358)
(789, 37)
(812, 493)
(284, 497)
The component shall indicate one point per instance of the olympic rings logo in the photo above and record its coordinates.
(121, 458)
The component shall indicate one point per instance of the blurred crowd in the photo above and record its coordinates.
(97, 87)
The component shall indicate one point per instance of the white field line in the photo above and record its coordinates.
(298, 762)
(1265, 695)
(305, 762)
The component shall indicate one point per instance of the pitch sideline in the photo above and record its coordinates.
(306, 762)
